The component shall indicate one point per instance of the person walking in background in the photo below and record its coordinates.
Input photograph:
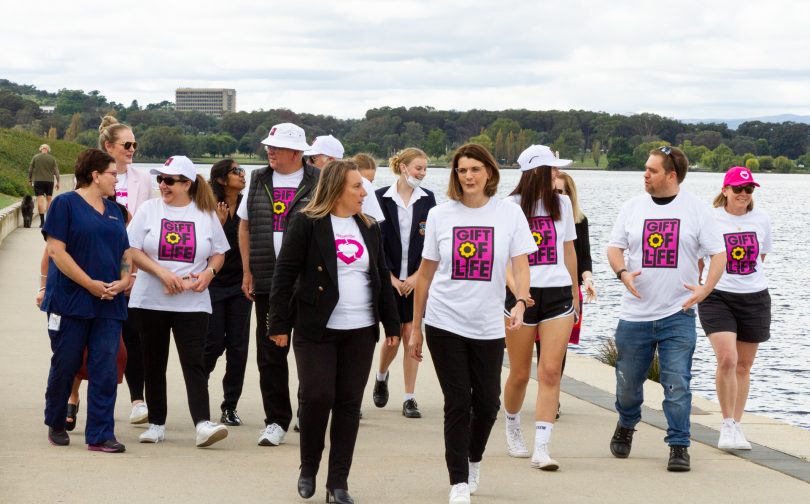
(277, 192)
(367, 165)
(553, 267)
(469, 241)
(736, 316)
(87, 273)
(332, 266)
(664, 233)
(405, 206)
(43, 174)
(229, 326)
(179, 245)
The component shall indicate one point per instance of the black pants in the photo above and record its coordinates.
(274, 372)
(134, 370)
(332, 374)
(229, 330)
(189, 337)
(469, 373)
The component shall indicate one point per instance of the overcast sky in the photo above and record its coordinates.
(683, 59)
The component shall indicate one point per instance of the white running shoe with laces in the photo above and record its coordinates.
(272, 435)
(209, 433)
(154, 434)
(740, 443)
(139, 414)
(460, 494)
(515, 446)
(542, 460)
(726, 440)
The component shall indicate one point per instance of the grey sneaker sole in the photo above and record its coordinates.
(213, 438)
(139, 420)
(551, 465)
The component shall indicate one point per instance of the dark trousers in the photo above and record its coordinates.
(229, 331)
(274, 372)
(469, 373)
(189, 337)
(101, 338)
(134, 370)
(332, 374)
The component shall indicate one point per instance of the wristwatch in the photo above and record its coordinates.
(619, 273)
(213, 271)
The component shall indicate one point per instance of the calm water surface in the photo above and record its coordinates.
(780, 379)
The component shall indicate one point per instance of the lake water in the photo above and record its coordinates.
(780, 379)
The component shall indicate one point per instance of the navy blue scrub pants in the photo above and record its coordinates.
(101, 337)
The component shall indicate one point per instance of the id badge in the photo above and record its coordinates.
(54, 322)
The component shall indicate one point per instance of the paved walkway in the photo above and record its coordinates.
(396, 460)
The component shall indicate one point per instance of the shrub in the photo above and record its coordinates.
(609, 354)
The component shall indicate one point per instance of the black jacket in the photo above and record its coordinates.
(305, 283)
(582, 246)
(391, 234)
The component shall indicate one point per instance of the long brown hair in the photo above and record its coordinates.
(571, 192)
(202, 195)
(538, 184)
(331, 185)
(479, 153)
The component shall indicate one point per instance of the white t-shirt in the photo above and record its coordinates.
(473, 247)
(121, 189)
(370, 204)
(180, 239)
(547, 263)
(283, 192)
(746, 238)
(354, 307)
(664, 242)
(405, 218)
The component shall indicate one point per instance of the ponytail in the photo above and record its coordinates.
(202, 195)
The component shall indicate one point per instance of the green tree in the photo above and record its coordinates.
(569, 143)
(72, 131)
(765, 163)
(88, 138)
(436, 142)
(596, 152)
(803, 161)
(500, 147)
(752, 164)
(52, 133)
(620, 154)
(763, 148)
(783, 164)
(505, 125)
(511, 148)
(162, 142)
(484, 140)
(720, 159)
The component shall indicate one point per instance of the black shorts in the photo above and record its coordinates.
(549, 303)
(404, 307)
(43, 188)
(746, 315)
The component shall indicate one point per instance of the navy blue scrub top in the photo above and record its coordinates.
(96, 243)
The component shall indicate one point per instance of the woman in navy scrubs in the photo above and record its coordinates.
(87, 272)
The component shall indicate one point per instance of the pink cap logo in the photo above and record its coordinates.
(744, 174)
(168, 161)
(273, 131)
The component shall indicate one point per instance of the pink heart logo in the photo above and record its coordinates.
(348, 250)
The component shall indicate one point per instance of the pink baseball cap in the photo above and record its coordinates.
(737, 176)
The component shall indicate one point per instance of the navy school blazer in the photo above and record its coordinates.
(391, 234)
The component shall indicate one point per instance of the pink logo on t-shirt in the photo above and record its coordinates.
(282, 196)
(348, 250)
(178, 241)
(660, 243)
(742, 250)
(473, 252)
(545, 237)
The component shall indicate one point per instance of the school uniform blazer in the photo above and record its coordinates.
(305, 282)
(391, 234)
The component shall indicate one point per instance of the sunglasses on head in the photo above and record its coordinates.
(749, 189)
(129, 145)
(169, 181)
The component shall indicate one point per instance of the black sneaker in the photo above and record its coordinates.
(58, 438)
(621, 442)
(678, 459)
(381, 392)
(230, 418)
(108, 446)
(410, 409)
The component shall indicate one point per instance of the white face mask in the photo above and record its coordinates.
(413, 181)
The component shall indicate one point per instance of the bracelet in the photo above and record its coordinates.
(213, 271)
(525, 303)
(619, 273)
(40, 290)
(43, 276)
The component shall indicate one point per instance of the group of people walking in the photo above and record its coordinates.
(326, 259)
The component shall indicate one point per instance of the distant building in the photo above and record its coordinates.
(47, 109)
(208, 100)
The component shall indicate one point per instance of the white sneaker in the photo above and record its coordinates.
(740, 443)
(474, 476)
(726, 441)
(154, 434)
(209, 433)
(515, 446)
(272, 435)
(139, 414)
(541, 459)
(460, 494)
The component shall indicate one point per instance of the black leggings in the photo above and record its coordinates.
(134, 370)
(229, 330)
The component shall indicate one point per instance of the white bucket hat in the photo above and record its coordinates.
(539, 155)
(177, 165)
(287, 136)
(326, 145)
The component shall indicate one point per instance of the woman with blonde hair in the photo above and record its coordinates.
(405, 205)
(332, 267)
(366, 164)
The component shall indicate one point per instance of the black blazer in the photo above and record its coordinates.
(391, 234)
(305, 282)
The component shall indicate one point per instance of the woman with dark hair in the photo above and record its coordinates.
(179, 246)
(332, 285)
(469, 241)
(229, 325)
(87, 273)
(555, 296)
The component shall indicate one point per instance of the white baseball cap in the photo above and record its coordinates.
(177, 165)
(326, 145)
(539, 155)
(287, 136)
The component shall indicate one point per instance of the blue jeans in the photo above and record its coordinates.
(675, 337)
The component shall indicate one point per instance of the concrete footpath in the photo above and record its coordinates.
(396, 460)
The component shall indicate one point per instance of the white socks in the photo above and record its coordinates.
(408, 397)
(512, 420)
(381, 376)
(542, 432)
(728, 422)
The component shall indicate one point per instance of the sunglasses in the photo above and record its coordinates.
(169, 181)
(237, 171)
(749, 189)
(129, 145)
(559, 191)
